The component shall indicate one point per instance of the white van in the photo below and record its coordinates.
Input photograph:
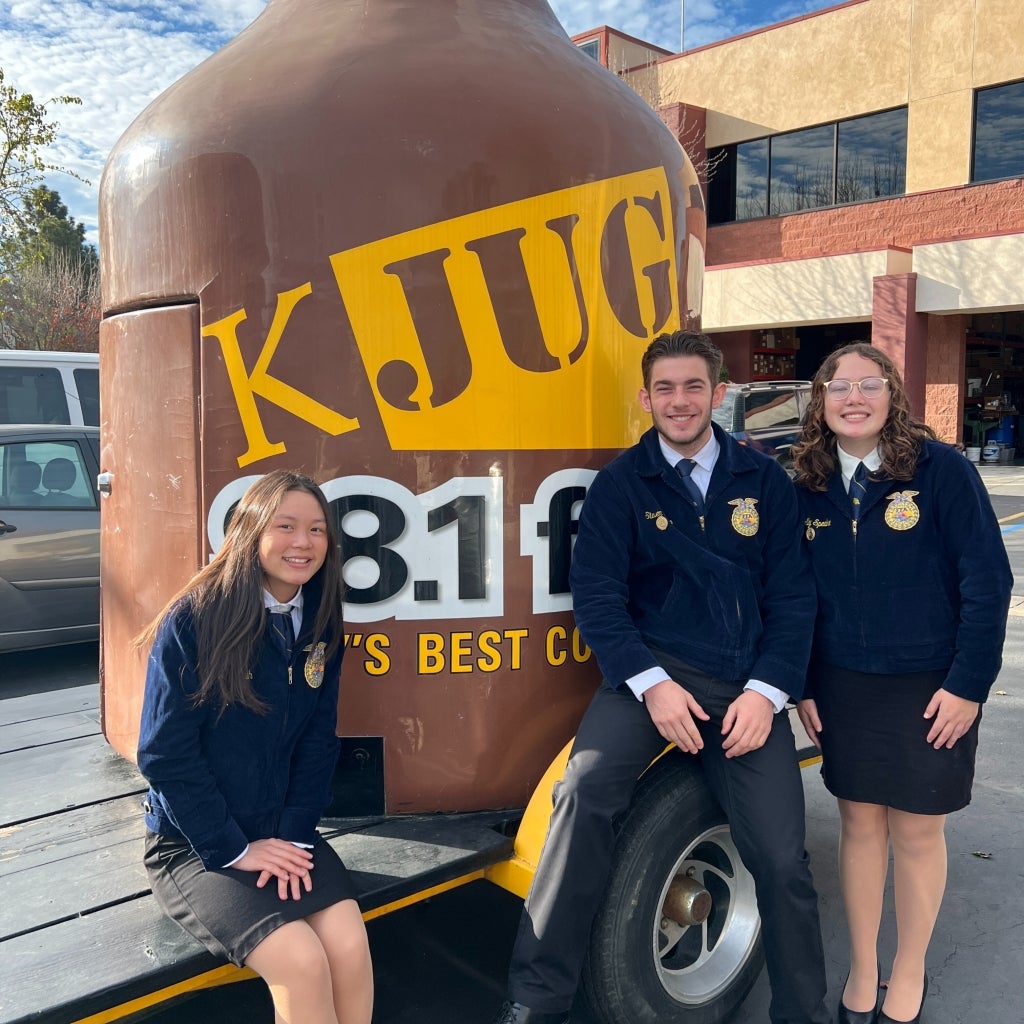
(49, 387)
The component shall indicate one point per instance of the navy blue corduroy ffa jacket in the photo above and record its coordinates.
(732, 601)
(930, 595)
(221, 781)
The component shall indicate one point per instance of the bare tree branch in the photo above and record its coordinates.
(52, 304)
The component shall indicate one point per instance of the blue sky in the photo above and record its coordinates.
(117, 55)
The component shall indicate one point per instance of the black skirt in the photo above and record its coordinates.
(223, 909)
(874, 747)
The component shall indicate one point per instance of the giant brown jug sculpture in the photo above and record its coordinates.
(414, 248)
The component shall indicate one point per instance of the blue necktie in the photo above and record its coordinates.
(684, 467)
(858, 488)
(282, 630)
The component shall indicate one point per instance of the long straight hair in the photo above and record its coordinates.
(226, 596)
(899, 445)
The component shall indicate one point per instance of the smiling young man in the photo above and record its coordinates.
(690, 586)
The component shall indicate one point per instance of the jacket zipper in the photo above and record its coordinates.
(855, 523)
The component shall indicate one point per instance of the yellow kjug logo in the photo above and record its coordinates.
(456, 363)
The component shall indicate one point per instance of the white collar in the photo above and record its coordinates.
(848, 463)
(705, 458)
(295, 604)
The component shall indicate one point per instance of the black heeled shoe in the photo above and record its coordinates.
(884, 1018)
(844, 1015)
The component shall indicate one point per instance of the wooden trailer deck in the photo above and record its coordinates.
(81, 937)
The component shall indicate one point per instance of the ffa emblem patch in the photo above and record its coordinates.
(902, 513)
(809, 532)
(314, 670)
(661, 523)
(745, 519)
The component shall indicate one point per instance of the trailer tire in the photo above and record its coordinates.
(643, 967)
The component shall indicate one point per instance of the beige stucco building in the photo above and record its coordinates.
(864, 171)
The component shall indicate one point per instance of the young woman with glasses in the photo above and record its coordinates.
(913, 589)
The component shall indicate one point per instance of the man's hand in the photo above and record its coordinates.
(953, 717)
(747, 723)
(808, 712)
(277, 858)
(672, 710)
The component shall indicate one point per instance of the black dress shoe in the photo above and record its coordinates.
(516, 1013)
(884, 1018)
(847, 1016)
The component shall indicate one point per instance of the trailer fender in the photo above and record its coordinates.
(516, 873)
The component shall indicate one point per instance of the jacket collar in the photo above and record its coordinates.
(733, 458)
(876, 488)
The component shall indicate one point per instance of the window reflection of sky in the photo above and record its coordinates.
(872, 157)
(752, 179)
(801, 169)
(999, 133)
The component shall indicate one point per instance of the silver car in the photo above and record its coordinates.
(49, 536)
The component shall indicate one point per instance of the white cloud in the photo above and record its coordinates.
(118, 55)
(115, 56)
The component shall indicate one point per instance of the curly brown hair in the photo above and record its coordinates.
(899, 445)
(226, 595)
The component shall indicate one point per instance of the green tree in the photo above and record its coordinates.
(46, 230)
(49, 274)
(26, 130)
(49, 280)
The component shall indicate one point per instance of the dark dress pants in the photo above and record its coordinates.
(762, 796)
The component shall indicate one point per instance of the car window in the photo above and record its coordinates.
(87, 380)
(32, 394)
(44, 474)
(775, 408)
(725, 415)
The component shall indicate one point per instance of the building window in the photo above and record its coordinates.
(591, 47)
(751, 179)
(998, 133)
(844, 162)
(872, 157)
(802, 170)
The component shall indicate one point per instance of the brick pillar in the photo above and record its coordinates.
(689, 125)
(946, 376)
(901, 333)
(737, 348)
(928, 350)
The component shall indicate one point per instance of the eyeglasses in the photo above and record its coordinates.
(869, 387)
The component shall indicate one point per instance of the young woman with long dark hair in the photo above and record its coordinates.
(238, 743)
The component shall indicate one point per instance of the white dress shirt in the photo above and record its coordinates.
(849, 463)
(295, 607)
